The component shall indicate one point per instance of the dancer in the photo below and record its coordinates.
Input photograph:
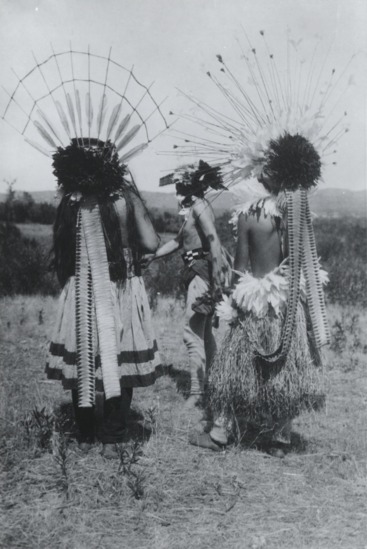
(207, 266)
(103, 338)
(269, 366)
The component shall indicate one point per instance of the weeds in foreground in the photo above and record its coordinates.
(39, 427)
(346, 340)
(136, 479)
(151, 418)
(61, 456)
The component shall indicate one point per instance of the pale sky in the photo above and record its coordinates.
(174, 43)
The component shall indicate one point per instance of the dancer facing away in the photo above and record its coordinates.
(103, 338)
(269, 368)
(207, 266)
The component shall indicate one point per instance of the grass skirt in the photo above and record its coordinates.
(138, 357)
(238, 388)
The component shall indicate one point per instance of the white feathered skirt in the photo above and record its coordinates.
(138, 357)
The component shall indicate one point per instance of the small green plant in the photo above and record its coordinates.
(129, 457)
(339, 337)
(39, 428)
(151, 417)
(136, 483)
(61, 456)
(346, 333)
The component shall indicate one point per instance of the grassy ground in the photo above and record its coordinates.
(163, 493)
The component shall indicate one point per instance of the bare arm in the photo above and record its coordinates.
(168, 248)
(204, 217)
(146, 236)
(242, 256)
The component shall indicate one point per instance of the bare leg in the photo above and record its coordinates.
(210, 345)
(194, 334)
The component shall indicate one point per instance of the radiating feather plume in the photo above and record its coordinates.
(128, 137)
(46, 136)
(89, 110)
(113, 120)
(64, 120)
(49, 125)
(133, 152)
(79, 110)
(71, 111)
(123, 124)
(38, 147)
(101, 113)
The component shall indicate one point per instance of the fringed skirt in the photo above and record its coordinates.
(138, 357)
(238, 388)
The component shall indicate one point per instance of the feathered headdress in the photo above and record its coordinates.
(87, 112)
(281, 118)
(91, 115)
(194, 179)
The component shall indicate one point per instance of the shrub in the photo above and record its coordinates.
(342, 246)
(23, 269)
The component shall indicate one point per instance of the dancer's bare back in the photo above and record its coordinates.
(258, 245)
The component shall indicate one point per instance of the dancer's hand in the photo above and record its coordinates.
(146, 260)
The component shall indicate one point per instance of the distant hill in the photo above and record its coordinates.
(324, 202)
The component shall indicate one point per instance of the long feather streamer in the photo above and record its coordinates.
(79, 110)
(113, 120)
(101, 113)
(49, 125)
(133, 152)
(84, 321)
(46, 136)
(63, 118)
(315, 293)
(71, 111)
(89, 110)
(38, 147)
(122, 126)
(128, 137)
(97, 254)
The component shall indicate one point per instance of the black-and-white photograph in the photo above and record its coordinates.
(183, 274)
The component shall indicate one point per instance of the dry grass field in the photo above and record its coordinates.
(163, 493)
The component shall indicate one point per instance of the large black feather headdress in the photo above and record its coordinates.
(194, 179)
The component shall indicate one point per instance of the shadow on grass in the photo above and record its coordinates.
(182, 380)
(262, 440)
(137, 429)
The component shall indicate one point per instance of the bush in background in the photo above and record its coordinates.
(25, 210)
(342, 246)
(24, 265)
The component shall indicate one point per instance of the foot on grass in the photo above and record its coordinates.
(194, 401)
(85, 447)
(111, 451)
(278, 449)
(204, 441)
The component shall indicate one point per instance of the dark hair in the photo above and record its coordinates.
(90, 168)
(64, 237)
(197, 183)
(292, 162)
